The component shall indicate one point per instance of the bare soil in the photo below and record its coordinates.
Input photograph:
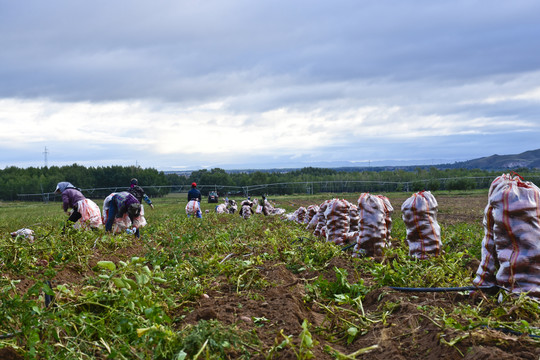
(407, 332)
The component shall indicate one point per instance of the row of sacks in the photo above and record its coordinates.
(246, 208)
(368, 223)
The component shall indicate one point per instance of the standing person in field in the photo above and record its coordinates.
(120, 204)
(139, 194)
(84, 209)
(194, 197)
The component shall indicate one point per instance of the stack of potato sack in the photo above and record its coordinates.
(337, 221)
(419, 212)
(373, 234)
(511, 244)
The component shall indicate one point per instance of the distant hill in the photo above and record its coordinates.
(528, 159)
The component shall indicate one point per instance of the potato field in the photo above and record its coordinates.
(222, 287)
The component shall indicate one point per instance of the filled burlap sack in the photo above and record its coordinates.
(419, 212)
(373, 234)
(337, 221)
(511, 244)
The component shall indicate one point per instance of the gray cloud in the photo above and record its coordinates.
(376, 63)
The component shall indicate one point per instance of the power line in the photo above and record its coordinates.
(45, 153)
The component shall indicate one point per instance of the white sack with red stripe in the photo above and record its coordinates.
(192, 207)
(373, 234)
(90, 214)
(511, 244)
(419, 212)
(337, 221)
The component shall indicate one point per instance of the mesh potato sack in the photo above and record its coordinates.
(311, 211)
(373, 234)
(388, 211)
(354, 217)
(320, 220)
(511, 244)
(419, 212)
(337, 221)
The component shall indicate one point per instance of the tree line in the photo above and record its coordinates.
(33, 180)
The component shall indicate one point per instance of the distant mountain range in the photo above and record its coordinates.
(528, 159)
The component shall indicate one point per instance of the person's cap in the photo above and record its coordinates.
(194, 184)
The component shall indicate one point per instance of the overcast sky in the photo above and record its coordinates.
(174, 84)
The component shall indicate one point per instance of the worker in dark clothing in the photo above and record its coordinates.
(139, 193)
(120, 204)
(194, 193)
(194, 197)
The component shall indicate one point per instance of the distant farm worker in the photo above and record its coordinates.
(120, 204)
(232, 207)
(246, 208)
(194, 197)
(139, 193)
(84, 209)
(511, 244)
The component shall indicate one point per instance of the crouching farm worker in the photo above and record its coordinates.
(84, 211)
(232, 207)
(419, 212)
(374, 226)
(511, 244)
(246, 208)
(222, 208)
(123, 211)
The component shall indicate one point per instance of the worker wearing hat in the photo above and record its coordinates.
(194, 195)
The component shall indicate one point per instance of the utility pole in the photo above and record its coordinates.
(45, 153)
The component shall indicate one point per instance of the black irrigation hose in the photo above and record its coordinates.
(510, 331)
(48, 298)
(447, 289)
(348, 246)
